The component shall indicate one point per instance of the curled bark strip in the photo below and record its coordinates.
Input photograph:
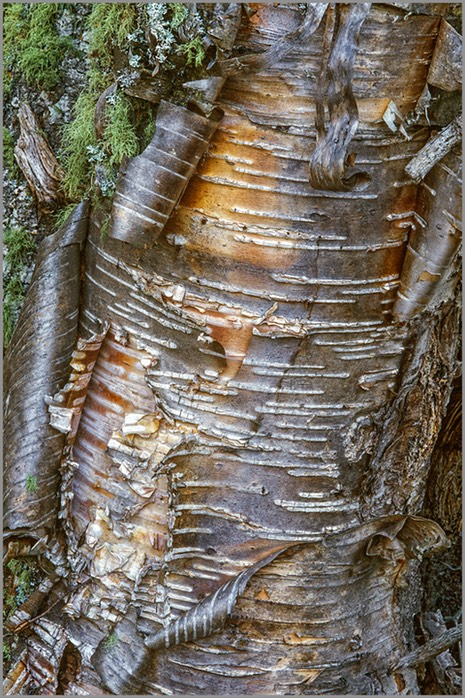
(328, 165)
(201, 621)
(36, 365)
(434, 150)
(37, 162)
(211, 614)
(130, 651)
(445, 70)
(253, 63)
(434, 240)
(406, 537)
(153, 182)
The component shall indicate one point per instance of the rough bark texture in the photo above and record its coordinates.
(254, 396)
(37, 161)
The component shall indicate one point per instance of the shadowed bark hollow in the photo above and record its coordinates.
(265, 350)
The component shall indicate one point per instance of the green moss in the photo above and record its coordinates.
(62, 215)
(148, 130)
(19, 249)
(6, 651)
(110, 641)
(31, 484)
(179, 13)
(111, 23)
(13, 298)
(21, 576)
(76, 137)
(79, 135)
(33, 47)
(91, 164)
(105, 227)
(10, 602)
(120, 138)
(194, 51)
(20, 245)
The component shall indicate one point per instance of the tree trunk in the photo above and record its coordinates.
(253, 399)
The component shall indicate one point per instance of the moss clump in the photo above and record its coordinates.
(19, 250)
(62, 215)
(31, 484)
(76, 137)
(120, 138)
(21, 577)
(110, 641)
(88, 161)
(111, 24)
(127, 42)
(6, 652)
(148, 130)
(179, 14)
(33, 47)
(194, 51)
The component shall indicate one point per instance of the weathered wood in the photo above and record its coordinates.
(446, 672)
(37, 162)
(435, 150)
(430, 649)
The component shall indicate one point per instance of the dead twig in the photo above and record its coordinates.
(434, 150)
(430, 649)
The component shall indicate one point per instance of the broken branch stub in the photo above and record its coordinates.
(36, 365)
(152, 184)
(430, 649)
(435, 149)
(37, 162)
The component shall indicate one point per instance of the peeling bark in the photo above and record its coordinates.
(36, 366)
(169, 161)
(446, 65)
(246, 432)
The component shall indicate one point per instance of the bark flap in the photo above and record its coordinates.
(152, 183)
(43, 348)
